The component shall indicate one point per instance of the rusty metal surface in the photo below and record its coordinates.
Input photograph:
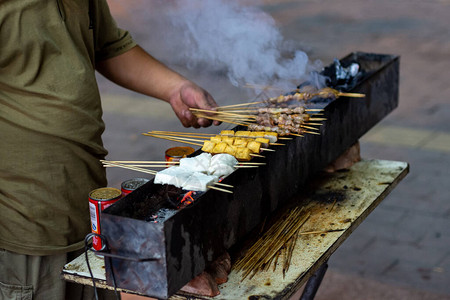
(357, 192)
(198, 234)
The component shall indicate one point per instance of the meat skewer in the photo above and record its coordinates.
(301, 96)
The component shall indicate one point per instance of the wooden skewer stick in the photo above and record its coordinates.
(174, 139)
(240, 104)
(178, 132)
(296, 134)
(320, 231)
(144, 162)
(164, 166)
(171, 162)
(130, 168)
(308, 127)
(245, 167)
(219, 189)
(312, 132)
(140, 166)
(353, 95)
(221, 120)
(223, 184)
(177, 137)
(213, 111)
(195, 140)
(106, 163)
(187, 142)
(175, 134)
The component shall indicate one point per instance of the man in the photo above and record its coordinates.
(51, 126)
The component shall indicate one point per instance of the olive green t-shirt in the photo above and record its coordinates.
(51, 119)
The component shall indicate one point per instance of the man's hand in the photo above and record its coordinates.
(188, 96)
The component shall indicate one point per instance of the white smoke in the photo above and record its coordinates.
(225, 35)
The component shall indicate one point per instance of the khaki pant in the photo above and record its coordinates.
(29, 277)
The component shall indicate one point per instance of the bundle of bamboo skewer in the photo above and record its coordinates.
(280, 237)
(276, 245)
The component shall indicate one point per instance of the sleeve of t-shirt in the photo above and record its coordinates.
(110, 39)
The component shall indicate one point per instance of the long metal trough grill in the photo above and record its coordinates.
(182, 244)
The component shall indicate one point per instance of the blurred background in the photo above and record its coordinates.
(402, 250)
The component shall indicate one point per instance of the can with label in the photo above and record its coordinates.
(100, 199)
(131, 184)
(176, 153)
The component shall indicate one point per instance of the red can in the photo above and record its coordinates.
(100, 199)
(131, 184)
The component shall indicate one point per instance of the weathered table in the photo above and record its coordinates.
(341, 200)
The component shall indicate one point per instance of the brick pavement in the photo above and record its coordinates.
(402, 250)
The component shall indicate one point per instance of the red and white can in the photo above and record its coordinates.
(100, 199)
(131, 184)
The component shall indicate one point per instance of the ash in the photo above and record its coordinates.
(161, 215)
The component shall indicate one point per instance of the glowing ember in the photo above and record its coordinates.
(187, 199)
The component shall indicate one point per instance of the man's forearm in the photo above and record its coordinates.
(140, 72)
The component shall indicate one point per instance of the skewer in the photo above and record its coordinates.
(141, 166)
(240, 104)
(308, 127)
(171, 162)
(144, 162)
(213, 111)
(195, 140)
(223, 184)
(320, 231)
(178, 132)
(219, 189)
(164, 166)
(174, 139)
(219, 119)
(312, 132)
(256, 110)
(205, 137)
(191, 143)
(352, 95)
(104, 162)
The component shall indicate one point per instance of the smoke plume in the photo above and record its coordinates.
(240, 40)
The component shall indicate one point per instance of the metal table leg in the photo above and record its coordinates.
(314, 282)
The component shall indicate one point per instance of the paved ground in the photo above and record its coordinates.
(402, 251)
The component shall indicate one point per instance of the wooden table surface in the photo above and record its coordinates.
(341, 200)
